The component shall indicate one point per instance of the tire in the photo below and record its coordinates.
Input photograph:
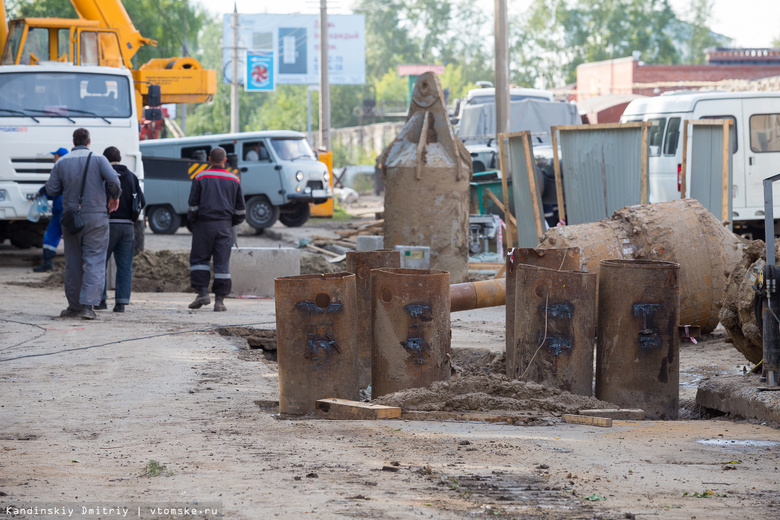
(297, 217)
(163, 220)
(260, 213)
(140, 226)
(24, 235)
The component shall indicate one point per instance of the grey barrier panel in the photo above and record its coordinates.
(706, 169)
(529, 215)
(601, 171)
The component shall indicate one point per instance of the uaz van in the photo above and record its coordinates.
(280, 176)
(755, 149)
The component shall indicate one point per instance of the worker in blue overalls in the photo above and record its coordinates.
(51, 239)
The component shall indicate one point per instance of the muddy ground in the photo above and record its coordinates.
(90, 412)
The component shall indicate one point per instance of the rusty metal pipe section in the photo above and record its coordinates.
(361, 263)
(638, 346)
(476, 295)
(410, 316)
(554, 320)
(316, 345)
(567, 258)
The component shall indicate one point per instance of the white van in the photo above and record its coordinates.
(756, 146)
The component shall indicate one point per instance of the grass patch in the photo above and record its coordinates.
(155, 469)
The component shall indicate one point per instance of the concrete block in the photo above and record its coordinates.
(369, 242)
(254, 269)
(415, 257)
(739, 395)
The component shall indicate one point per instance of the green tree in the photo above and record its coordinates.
(701, 37)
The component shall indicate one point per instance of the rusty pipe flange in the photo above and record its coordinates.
(316, 346)
(638, 345)
(361, 263)
(554, 320)
(411, 328)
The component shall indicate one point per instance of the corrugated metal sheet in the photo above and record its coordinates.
(601, 171)
(706, 167)
(527, 232)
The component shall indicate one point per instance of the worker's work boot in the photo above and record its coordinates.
(47, 265)
(70, 313)
(119, 307)
(88, 313)
(219, 304)
(102, 306)
(201, 300)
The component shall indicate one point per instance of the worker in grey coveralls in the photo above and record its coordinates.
(216, 205)
(85, 252)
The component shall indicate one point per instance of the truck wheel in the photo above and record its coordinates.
(297, 217)
(163, 220)
(25, 235)
(260, 213)
(140, 226)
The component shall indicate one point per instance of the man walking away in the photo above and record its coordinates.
(51, 239)
(216, 205)
(85, 251)
(121, 235)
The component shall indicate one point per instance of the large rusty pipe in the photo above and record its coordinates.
(476, 295)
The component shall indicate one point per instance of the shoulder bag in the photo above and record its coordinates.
(71, 219)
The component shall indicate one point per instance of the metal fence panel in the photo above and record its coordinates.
(706, 167)
(522, 192)
(601, 171)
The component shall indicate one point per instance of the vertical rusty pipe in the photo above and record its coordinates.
(554, 320)
(360, 263)
(316, 346)
(564, 258)
(410, 316)
(638, 346)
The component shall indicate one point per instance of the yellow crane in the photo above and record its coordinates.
(104, 35)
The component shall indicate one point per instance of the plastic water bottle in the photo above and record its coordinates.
(39, 207)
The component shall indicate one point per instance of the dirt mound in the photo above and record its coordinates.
(161, 271)
(312, 263)
(737, 313)
(490, 393)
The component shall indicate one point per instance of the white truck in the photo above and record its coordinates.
(40, 107)
(756, 146)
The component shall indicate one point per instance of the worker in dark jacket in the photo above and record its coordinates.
(216, 205)
(121, 236)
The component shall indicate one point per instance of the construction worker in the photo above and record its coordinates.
(216, 204)
(51, 239)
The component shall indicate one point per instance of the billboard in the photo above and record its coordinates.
(294, 40)
(259, 70)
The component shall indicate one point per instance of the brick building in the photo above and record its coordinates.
(630, 76)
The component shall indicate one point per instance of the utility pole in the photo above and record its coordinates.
(234, 85)
(502, 68)
(186, 51)
(324, 86)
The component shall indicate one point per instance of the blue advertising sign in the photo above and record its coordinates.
(259, 71)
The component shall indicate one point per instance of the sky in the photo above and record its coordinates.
(751, 23)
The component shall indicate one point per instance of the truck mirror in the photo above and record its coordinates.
(153, 114)
(232, 160)
(154, 96)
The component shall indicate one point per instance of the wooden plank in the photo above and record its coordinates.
(726, 151)
(486, 266)
(501, 271)
(618, 414)
(643, 168)
(343, 409)
(508, 218)
(507, 417)
(558, 178)
(683, 166)
(510, 234)
(531, 170)
(604, 422)
(321, 250)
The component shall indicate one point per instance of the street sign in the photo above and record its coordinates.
(259, 71)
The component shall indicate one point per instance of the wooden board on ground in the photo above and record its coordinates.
(528, 418)
(485, 266)
(343, 409)
(618, 414)
(604, 422)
